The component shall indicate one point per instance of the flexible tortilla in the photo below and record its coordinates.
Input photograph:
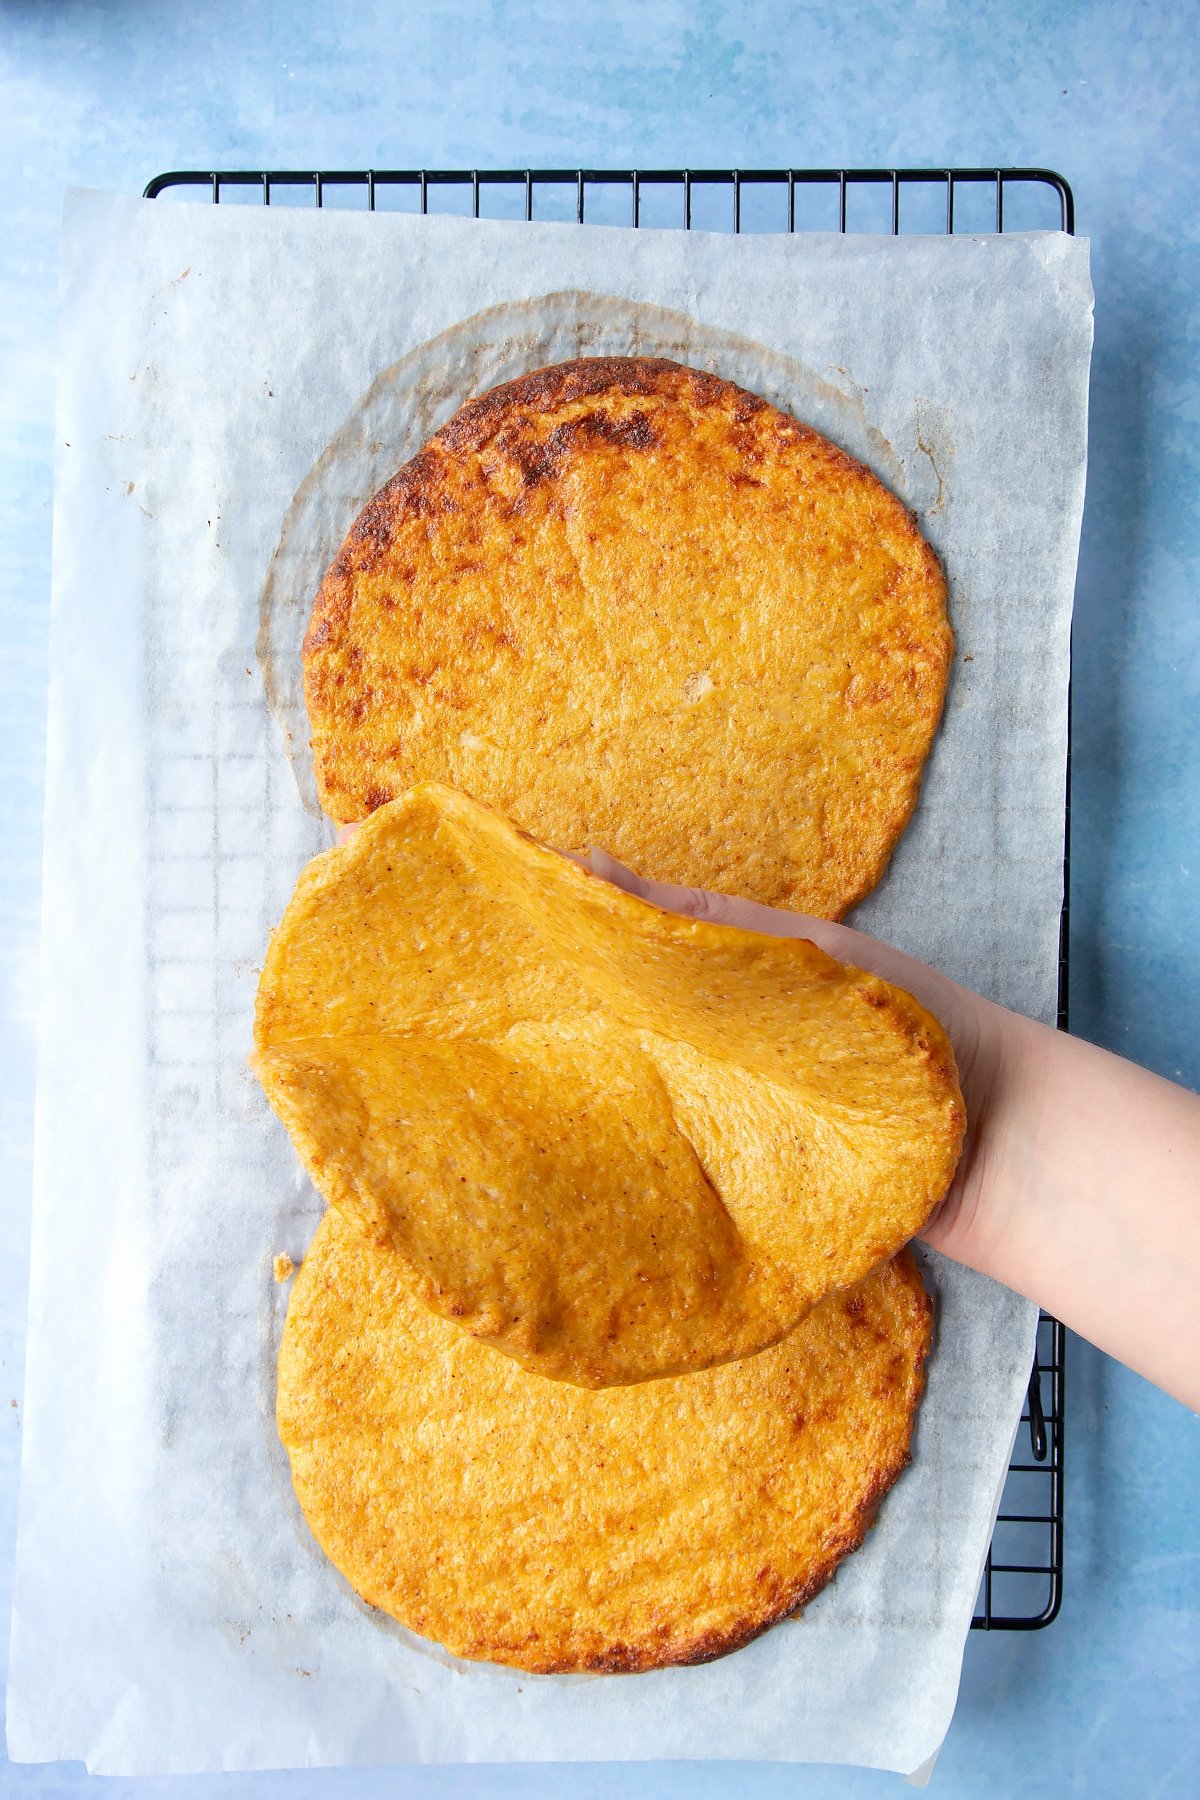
(628, 603)
(613, 1142)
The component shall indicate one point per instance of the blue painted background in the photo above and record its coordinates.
(1105, 1702)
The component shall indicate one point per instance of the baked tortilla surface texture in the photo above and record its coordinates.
(523, 1521)
(611, 1141)
(628, 603)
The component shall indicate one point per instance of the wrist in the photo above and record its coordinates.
(980, 1217)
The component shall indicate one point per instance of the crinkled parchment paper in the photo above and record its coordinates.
(233, 385)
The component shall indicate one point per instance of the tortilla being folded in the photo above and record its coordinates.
(613, 1142)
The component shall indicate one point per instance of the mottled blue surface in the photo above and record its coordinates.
(1105, 1702)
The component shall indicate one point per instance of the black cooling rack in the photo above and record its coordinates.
(1021, 1589)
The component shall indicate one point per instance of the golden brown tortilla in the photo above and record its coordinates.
(627, 603)
(613, 1142)
(525, 1521)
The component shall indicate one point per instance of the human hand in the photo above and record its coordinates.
(1079, 1176)
(979, 1031)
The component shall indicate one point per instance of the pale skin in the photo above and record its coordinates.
(1079, 1183)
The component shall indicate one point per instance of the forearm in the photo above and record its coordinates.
(1081, 1189)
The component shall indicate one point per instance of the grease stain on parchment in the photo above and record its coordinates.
(885, 457)
(936, 445)
(413, 398)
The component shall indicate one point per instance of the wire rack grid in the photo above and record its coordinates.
(1022, 1582)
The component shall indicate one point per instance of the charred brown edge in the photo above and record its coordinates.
(585, 378)
(541, 393)
(416, 485)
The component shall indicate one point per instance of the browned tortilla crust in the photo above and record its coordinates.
(558, 1529)
(614, 1142)
(628, 603)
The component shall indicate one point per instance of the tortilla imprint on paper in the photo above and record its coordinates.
(629, 603)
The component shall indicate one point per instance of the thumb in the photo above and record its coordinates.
(703, 903)
(944, 998)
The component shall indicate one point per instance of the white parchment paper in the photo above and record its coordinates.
(233, 384)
